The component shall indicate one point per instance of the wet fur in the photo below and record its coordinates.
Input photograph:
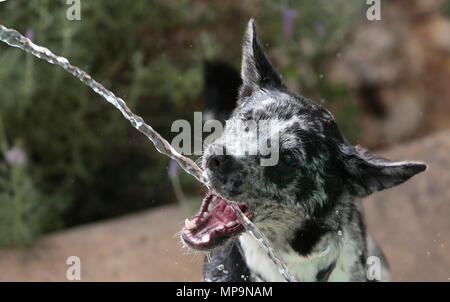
(310, 211)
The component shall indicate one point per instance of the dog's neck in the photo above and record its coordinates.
(303, 227)
(310, 246)
(317, 266)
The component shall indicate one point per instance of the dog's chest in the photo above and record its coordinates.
(257, 260)
(303, 268)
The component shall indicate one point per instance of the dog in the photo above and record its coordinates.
(308, 204)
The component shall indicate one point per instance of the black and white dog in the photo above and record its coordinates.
(308, 204)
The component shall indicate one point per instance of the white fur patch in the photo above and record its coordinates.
(304, 269)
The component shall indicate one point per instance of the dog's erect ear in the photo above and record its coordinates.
(367, 173)
(256, 70)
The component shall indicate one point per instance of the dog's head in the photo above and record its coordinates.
(309, 166)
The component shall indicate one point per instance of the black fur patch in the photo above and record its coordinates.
(280, 174)
(234, 267)
(306, 188)
(307, 237)
(324, 275)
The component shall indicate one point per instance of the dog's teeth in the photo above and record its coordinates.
(205, 214)
(210, 205)
(189, 224)
(230, 224)
(206, 238)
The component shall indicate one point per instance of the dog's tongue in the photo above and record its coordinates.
(214, 223)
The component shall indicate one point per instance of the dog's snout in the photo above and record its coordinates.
(223, 164)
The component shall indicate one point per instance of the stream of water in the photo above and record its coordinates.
(15, 39)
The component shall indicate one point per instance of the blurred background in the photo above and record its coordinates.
(76, 179)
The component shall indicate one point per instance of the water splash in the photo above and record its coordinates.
(15, 39)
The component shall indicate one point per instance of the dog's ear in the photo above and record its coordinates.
(256, 70)
(367, 173)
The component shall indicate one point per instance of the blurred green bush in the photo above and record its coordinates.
(82, 160)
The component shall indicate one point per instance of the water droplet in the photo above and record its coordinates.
(208, 256)
(225, 271)
(339, 233)
(220, 267)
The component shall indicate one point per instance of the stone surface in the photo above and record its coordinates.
(141, 247)
(411, 221)
(398, 70)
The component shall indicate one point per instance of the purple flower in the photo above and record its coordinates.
(29, 34)
(289, 14)
(320, 29)
(15, 156)
(173, 168)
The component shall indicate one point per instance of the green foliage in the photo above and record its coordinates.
(318, 30)
(25, 211)
(84, 161)
(445, 7)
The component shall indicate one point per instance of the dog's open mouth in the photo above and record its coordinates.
(213, 224)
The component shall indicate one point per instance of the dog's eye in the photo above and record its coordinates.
(288, 159)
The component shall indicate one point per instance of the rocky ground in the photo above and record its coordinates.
(140, 247)
(410, 222)
(400, 78)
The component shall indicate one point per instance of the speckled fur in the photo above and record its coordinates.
(310, 210)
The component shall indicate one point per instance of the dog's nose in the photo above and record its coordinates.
(223, 164)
